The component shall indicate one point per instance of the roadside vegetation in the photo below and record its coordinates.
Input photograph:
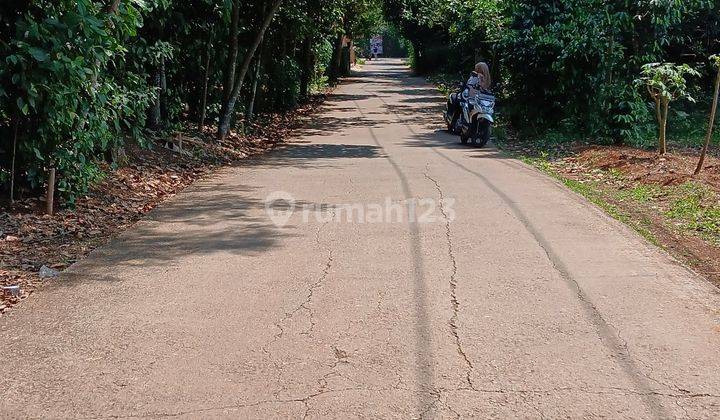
(109, 106)
(80, 79)
(581, 68)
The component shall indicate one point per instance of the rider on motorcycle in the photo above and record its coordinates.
(479, 80)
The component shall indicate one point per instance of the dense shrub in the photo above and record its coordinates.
(563, 64)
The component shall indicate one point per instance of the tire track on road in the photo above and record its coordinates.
(423, 345)
(609, 336)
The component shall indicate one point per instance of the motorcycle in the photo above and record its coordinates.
(472, 118)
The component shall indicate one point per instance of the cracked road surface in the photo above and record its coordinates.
(509, 297)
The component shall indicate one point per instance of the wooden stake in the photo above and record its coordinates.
(12, 166)
(50, 199)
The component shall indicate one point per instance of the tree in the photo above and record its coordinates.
(79, 78)
(665, 82)
(59, 68)
(354, 18)
(228, 105)
(715, 59)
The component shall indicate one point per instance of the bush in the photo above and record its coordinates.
(69, 106)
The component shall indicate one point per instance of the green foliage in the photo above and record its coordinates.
(715, 60)
(696, 209)
(78, 78)
(642, 193)
(322, 50)
(667, 81)
(66, 98)
(562, 64)
(282, 83)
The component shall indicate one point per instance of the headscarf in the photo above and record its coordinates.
(483, 72)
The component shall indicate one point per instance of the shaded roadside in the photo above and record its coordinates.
(35, 247)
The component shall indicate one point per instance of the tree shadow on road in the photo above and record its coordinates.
(204, 220)
(442, 140)
(218, 216)
(345, 97)
(333, 121)
(312, 155)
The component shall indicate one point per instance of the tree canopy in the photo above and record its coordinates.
(79, 78)
(564, 63)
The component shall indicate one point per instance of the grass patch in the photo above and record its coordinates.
(690, 207)
(695, 208)
(640, 193)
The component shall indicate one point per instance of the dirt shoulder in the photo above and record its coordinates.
(35, 247)
(656, 196)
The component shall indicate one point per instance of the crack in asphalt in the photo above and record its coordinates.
(437, 398)
(453, 322)
(311, 291)
(604, 328)
(305, 305)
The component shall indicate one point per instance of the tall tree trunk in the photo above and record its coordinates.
(232, 52)
(229, 105)
(203, 100)
(12, 165)
(307, 69)
(280, 98)
(659, 117)
(665, 104)
(711, 124)
(155, 113)
(334, 69)
(256, 77)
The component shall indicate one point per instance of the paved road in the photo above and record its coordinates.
(506, 296)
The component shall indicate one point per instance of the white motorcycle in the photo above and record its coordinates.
(473, 118)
